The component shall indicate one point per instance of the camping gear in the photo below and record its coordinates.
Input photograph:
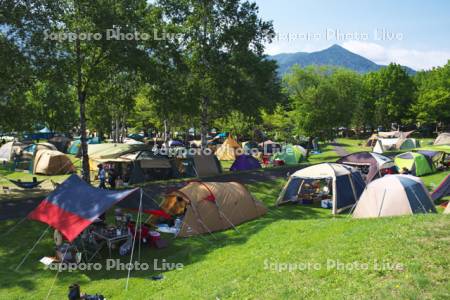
(229, 150)
(245, 162)
(345, 184)
(442, 190)
(268, 147)
(212, 206)
(25, 184)
(49, 162)
(416, 163)
(394, 195)
(74, 205)
(442, 139)
(289, 154)
(371, 165)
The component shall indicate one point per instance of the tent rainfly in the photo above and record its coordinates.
(8, 150)
(50, 162)
(74, 205)
(394, 195)
(442, 139)
(372, 165)
(346, 183)
(289, 154)
(245, 162)
(229, 150)
(442, 190)
(416, 163)
(212, 206)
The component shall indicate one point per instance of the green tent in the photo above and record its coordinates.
(416, 163)
(289, 154)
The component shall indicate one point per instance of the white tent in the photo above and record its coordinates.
(346, 184)
(394, 195)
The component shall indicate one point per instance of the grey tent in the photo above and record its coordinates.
(200, 165)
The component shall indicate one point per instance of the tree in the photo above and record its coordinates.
(73, 36)
(433, 100)
(392, 91)
(221, 51)
(322, 99)
(15, 78)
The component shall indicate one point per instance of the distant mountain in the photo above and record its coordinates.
(333, 56)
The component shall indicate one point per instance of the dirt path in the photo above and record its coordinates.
(15, 209)
(339, 149)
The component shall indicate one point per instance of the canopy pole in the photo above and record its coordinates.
(134, 241)
(140, 229)
(56, 276)
(32, 248)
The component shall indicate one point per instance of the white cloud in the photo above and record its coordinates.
(416, 59)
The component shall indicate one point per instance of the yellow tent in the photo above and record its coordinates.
(229, 149)
(51, 162)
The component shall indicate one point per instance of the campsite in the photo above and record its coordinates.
(208, 161)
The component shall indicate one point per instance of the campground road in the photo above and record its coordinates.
(339, 149)
(15, 209)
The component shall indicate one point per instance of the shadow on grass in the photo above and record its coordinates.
(181, 250)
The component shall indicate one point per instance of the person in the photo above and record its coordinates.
(101, 176)
(112, 176)
(405, 171)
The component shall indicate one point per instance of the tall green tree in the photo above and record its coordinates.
(433, 97)
(221, 48)
(322, 99)
(392, 91)
(73, 36)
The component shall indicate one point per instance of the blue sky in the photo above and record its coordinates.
(411, 32)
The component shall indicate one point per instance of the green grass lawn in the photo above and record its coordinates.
(353, 145)
(327, 155)
(246, 264)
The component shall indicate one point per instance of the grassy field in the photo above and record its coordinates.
(353, 145)
(329, 257)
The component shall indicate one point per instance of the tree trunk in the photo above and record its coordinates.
(204, 122)
(166, 134)
(116, 130)
(84, 146)
(81, 92)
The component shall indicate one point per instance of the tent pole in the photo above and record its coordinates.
(382, 202)
(32, 248)
(132, 247)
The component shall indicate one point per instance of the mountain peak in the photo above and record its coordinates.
(336, 46)
(334, 55)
